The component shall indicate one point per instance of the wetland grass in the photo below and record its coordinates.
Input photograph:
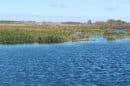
(19, 34)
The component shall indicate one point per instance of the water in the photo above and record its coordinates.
(120, 30)
(97, 38)
(68, 64)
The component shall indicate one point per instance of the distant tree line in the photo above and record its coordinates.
(110, 21)
(71, 22)
(16, 22)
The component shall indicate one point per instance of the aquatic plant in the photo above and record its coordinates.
(12, 34)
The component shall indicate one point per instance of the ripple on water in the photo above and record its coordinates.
(67, 64)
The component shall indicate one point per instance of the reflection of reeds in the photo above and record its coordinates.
(53, 33)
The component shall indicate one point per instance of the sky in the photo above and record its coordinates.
(64, 10)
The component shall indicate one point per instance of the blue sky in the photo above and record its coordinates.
(64, 10)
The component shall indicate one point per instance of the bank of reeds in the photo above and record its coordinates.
(12, 34)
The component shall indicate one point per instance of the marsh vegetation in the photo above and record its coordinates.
(57, 33)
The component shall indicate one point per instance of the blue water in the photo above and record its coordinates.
(120, 30)
(97, 38)
(67, 64)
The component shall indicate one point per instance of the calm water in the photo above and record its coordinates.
(120, 30)
(68, 64)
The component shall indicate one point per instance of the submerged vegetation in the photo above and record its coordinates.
(57, 33)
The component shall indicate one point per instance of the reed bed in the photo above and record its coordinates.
(13, 33)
